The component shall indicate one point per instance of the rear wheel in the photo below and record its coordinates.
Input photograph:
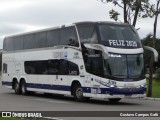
(78, 92)
(23, 88)
(114, 100)
(16, 87)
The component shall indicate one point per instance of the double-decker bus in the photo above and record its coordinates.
(86, 60)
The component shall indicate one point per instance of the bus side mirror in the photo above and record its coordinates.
(155, 53)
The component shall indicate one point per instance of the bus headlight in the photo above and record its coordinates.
(112, 86)
(144, 85)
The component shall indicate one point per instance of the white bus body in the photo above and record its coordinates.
(79, 60)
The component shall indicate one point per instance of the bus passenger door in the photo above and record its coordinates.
(95, 86)
(94, 66)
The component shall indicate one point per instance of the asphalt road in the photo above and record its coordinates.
(9, 101)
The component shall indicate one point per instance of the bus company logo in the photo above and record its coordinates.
(6, 114)
(21, 114)
(65, 54)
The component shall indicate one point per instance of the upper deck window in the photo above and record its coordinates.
(87, 33)
(68, 36)
(118, 36)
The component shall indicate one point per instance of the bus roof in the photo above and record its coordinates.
(101, 22)
(76, 23)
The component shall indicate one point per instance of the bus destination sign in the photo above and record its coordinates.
(123, 43)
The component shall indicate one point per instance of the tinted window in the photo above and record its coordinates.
(86, 32)
(73, 69)
(52, 38)
(8, 44)
(29, 41)
(93, 62)
(119, 36)
(18, 43)
(51, 67)
(68, 36)
(40, 39)
(36, 67)
(63, 67)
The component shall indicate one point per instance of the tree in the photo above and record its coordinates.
(156, 13)
(132, 10)
(149, 60)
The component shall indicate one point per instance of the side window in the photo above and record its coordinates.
(73, 69)
(29, 67)
(63, 67)
(68, 36)
(8, 44)
(4, 68)
(5, 45)
(50, 67)
(87, 33)
(52, 38)
(18, 43)
(40, 39)
(53, 67)
(36, 67)
(29, 41)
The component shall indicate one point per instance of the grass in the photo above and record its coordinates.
(156, 88)
(2, 118)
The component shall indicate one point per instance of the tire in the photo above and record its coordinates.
(78, 93)
(114, 100)
(16, 87)
(23, 88)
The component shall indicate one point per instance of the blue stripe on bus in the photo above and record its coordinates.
(6, 83)
(116, 91)
(113, 91)
(49, 87)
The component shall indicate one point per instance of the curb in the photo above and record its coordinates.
(150, 98)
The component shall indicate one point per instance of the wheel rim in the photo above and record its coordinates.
(23, 88)
(16, 87)
(79, 93)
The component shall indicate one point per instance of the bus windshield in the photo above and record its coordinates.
(118, 36)
(124, 66)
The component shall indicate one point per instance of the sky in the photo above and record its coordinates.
(19, 16)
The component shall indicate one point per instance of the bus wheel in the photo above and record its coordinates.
(23, 88)
(114, 100)
(16, 87)
(78, 93)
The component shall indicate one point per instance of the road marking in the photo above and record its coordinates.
(58, 102)
(49, 101)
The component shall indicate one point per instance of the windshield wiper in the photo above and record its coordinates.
(120, 75)
(135, 76)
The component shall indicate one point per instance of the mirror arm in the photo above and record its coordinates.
(155, 53)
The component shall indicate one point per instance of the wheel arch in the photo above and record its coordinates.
(13, 81)
(73, 83)
(21, 80)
